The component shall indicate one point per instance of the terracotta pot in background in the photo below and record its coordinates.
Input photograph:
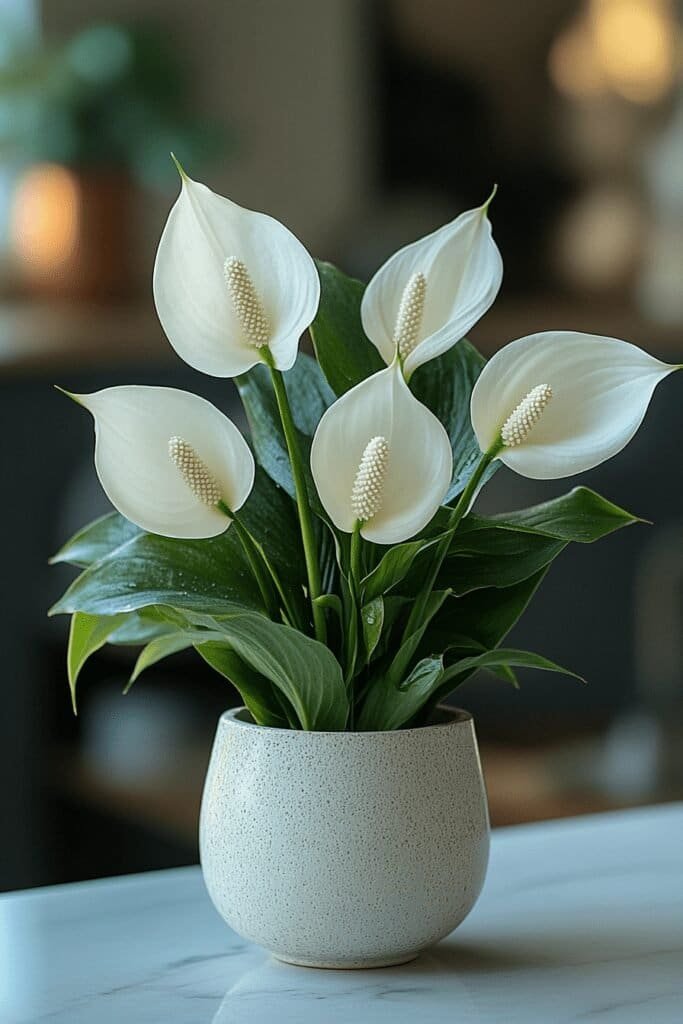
(70, 232)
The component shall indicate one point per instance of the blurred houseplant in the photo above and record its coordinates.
(340, 579)
(90, 119)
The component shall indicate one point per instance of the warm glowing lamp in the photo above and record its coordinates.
(44, 224)
(69, 232)
(627, 47)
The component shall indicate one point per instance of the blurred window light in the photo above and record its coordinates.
(627, 47)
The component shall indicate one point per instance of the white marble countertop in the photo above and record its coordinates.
(580, 920)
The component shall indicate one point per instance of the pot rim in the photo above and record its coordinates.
(453, 718)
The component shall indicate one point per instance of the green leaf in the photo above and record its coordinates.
(142, 626)
(87, 634)
(156, 650)
(209, 575)
(483, 617)
(372, 620)
(502, 658)
(269, 514)
(97, 540)
(309, 393)
(581, 515)
(344, 352)
(393, 607)
(395, 674)
(445, 385)
(483, 555)
(305, 671)
(267, 438)
(389, 707)
(394, 566)
(505, 673)
(502, 550)
(258, 693)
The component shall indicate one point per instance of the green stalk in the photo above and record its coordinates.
(355, 578)
(293, 617)
(441, 550)
(303, 507)
(355, 560)
(255, 562)
(467, 495)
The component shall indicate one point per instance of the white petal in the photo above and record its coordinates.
(133, 426)
(601, 390)
(193, 300)
(419, 466)
(463, 270)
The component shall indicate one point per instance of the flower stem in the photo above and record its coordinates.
(467, 495)
(355, 560)
(441, 550)
(255, 562)
(355, 578)
(292, 614)
(303, 507)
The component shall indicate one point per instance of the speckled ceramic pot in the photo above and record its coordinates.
(344, 849)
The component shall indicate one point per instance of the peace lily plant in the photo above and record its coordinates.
(331, 567)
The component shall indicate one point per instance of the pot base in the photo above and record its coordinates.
(350, 965)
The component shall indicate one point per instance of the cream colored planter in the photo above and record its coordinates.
(344, 849)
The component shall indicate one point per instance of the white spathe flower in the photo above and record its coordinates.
(562, 402)
(381, 458)
(428, 295)
(230, 283)
(166, 458)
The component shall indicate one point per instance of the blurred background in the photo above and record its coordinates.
(361, 125)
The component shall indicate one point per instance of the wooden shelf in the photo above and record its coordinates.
(521, 783)
(41, 337)
(515, 318)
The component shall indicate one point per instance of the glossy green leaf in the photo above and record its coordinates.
(209, 575)
(266, 705)
(372, 622)
(309, 393)
(267, 438)
(393, 609)
(389, 707)
(395, 674)
(344, 352)
(87, 634)
(142, 626)
(97, 540)
(445, 385)
(394, 567)
(501, 658)
(495, 557)
(483, 617)
(157, 650)
(581, 515)
(502, 550)
(305, 671)
(269, 514)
